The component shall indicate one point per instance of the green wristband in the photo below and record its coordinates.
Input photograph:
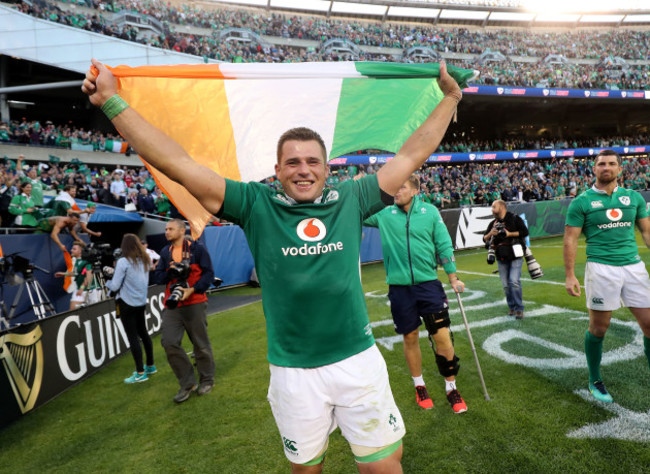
(114, 106)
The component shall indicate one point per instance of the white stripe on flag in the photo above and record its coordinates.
(267, 109)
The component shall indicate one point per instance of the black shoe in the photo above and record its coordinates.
(183, 394)
(205, 388)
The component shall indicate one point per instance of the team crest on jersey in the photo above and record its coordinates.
(614, 215)
(625, 200)
(423, 210)
(311, 230)
(595, 204)
(332, 196)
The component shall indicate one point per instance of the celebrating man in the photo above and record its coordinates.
(614, 272)
(326, 370)
(414, 240)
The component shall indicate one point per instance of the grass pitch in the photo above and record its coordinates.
(539, 418)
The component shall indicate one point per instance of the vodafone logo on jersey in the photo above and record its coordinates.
(614, 215)
(311, 230)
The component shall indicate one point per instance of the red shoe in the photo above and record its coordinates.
(422, 397)
(456, 401)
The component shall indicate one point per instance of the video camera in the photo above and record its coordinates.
(97, 254)
(179, 271)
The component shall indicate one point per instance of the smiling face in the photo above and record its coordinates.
(302, 169)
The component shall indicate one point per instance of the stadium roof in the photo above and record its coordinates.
(479, 12)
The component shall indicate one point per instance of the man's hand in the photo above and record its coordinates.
(187, 292)
(101, 86)
(572, 286)
(62, 247)
(457, 285)
(448, 84)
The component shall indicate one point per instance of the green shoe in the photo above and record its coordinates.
(136, 377)
(599, 392)
(150, 369)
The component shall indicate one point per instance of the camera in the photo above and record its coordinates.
(176, 294)
(178, 271)
(501, 229)
(98, 255)
(491, 258)
(534, 268)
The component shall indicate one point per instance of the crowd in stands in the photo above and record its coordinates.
(480, 184)
(33, 133)
(129, 188)
(23, 187)
(582, 44)
(64, 136)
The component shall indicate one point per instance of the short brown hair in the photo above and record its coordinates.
(609, 153)
(301, 134)
(414, 179)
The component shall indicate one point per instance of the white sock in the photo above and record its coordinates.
(450, 385)
(418, 381)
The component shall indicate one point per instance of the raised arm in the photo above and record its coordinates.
(154, 146)
(571, 235)
(424, 141)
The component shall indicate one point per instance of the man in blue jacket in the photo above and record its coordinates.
(187, 269)
(414, 240)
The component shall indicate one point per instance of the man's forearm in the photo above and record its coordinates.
(570, 251)
(418, 147)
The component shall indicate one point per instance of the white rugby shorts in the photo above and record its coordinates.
(353, 394)
(607, 286)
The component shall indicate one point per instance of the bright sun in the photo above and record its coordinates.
(582, 6)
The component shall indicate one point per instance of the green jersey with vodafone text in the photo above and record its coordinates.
(307, 261)
(608, 223)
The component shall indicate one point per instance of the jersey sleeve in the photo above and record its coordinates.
(367, 191)
(575, 217)
(239, 200)
(639, 203)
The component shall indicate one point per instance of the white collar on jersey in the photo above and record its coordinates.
(293, 202)
(601, 191)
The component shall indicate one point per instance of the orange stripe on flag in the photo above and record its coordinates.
(194, 112)
(67, 281)
(197, 71)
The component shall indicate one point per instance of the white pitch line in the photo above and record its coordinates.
(550, 282)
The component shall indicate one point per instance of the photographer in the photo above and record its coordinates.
(505, 240)
(186, 268)
(129, 283)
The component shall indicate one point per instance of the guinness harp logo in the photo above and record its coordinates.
(22, 358)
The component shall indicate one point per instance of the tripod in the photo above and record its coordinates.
(98, 283)
(41, 304)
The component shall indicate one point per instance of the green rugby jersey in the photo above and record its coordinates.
(608, 224)
(307, 261)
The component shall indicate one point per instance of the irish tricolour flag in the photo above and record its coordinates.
(230, 116)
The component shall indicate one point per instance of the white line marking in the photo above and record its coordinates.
(550, 282)
(389, 341)
(627, 425)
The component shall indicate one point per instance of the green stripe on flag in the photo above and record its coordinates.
(381, 113)
(397, 70)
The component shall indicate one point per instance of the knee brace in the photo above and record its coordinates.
(436, 321)
(447, 368)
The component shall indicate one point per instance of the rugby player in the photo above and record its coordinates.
(614, 272)
(326, 370)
